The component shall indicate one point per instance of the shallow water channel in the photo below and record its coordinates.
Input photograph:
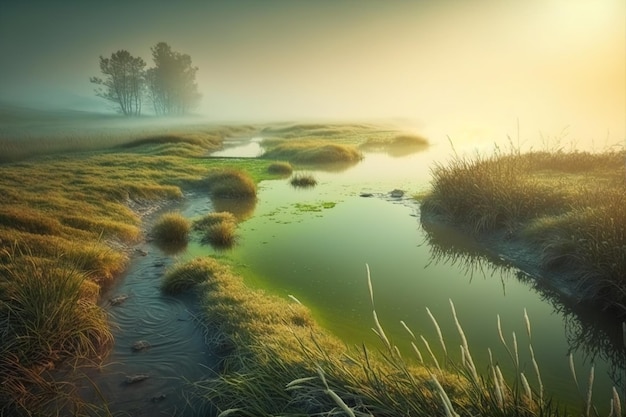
(314, 244)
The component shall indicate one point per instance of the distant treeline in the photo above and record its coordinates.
(170, 86)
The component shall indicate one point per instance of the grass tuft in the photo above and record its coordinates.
(230, 183)
(280, 168)
(218, 229)
(303, 180)
(171, 227)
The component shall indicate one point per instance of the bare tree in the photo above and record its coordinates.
(171, 83)
(123, 82)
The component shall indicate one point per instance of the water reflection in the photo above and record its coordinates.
(241, 208)
(597, 336)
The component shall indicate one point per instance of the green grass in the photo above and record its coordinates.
(275, 360)
(303, 180)
(568, 205)
(218, 229)
(171, 227)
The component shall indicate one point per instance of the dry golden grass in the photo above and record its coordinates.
(570, 205)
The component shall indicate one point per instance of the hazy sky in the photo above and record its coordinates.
(476, 64)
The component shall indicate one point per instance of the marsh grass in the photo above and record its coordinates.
(277, 361)
(568, 205)
(171, 227)
(303, 180)
(229, 183)
(48, 314)
(310, 151)
(218, 229)
(399, 145)
(280, 168)
(79, 212)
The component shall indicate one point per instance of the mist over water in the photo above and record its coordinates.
(470, 71)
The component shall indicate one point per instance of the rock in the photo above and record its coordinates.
(157, 398)
(140, 345)
(133, 379)
(366, 195)
(396, 193)
(115, 301)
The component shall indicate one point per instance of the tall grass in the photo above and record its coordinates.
(276, 361)
(48, 315)
(569, 206)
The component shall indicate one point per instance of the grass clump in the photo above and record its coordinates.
(186, 276)
(218, 229)
(397, 145)
(303, 180)
(569, 206)
(311, 151)
(230, 183)
(48, 314)
(280, 168)
(171, 227)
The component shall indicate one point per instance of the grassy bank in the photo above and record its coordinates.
(275, 360)
(568, 206)
(336, 143)
(67, 223)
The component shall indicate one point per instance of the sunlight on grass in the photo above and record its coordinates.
(568, 205)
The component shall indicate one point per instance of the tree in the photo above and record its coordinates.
(172, 82)
(123, 82)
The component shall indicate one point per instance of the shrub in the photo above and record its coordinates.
(171, 227)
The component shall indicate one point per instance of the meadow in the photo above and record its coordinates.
(70, 219)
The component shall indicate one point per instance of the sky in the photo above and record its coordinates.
(469, 67)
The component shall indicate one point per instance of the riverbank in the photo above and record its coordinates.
(558, 216)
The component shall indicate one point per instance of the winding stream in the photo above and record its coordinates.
(314, 244)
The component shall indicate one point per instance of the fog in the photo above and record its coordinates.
(470, 70)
